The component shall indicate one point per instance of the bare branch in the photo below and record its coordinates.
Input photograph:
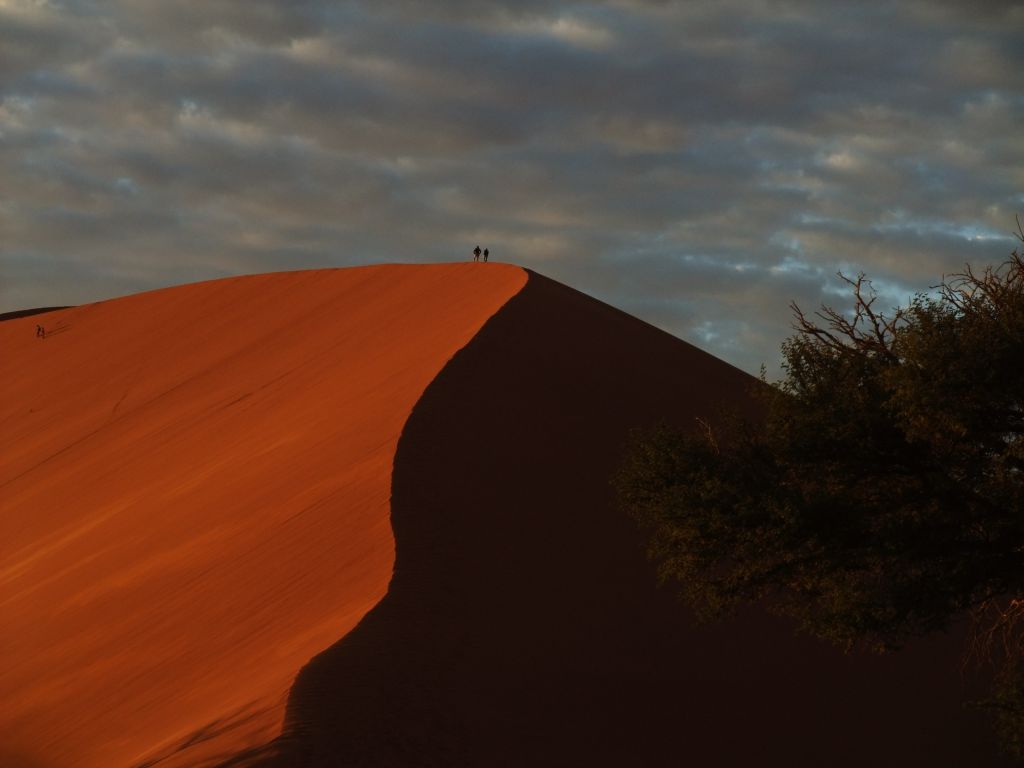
(709, 434)
(869, 330)
(997, 628)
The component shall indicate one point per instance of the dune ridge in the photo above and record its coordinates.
(195, 494)
(522, 626)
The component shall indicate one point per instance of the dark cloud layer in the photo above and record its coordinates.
(698, 164)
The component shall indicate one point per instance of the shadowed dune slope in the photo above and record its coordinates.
(18, 313)
(522, 626)
(194, 499)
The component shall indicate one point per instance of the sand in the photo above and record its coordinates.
(523, 626)
(195, 488)
(195, 495)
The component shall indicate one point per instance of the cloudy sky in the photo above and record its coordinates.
(698, 164)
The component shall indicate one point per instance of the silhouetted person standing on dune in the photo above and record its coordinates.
(487, 252)
(40, 332)
(476, 253)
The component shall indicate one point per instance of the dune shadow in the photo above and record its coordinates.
(28, 312)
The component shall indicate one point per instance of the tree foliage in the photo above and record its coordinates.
(881, 496)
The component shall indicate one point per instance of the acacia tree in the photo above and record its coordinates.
(881, 496)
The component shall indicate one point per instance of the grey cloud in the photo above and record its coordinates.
(35, 40)
(262, 22)
(699, 164)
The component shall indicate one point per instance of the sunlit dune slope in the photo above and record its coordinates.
(523, 626)
(194, 499)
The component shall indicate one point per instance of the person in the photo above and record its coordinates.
(487, 252)
(476, 253)
(40, 332)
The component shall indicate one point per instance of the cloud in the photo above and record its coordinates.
(698, 164)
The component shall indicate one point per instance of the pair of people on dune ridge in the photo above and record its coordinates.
(476, 253)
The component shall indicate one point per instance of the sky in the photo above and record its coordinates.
(697, 164)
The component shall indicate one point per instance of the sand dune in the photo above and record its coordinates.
(194, 486)
(522, 627)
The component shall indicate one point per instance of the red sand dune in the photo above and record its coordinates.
(195, 487)
(522, 626)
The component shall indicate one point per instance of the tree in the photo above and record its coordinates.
(880, 496)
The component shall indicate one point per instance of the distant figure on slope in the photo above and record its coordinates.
(487, 253)
(40, 332)
(476, 253)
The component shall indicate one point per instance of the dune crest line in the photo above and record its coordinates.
(195, 499)
(522, 626)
